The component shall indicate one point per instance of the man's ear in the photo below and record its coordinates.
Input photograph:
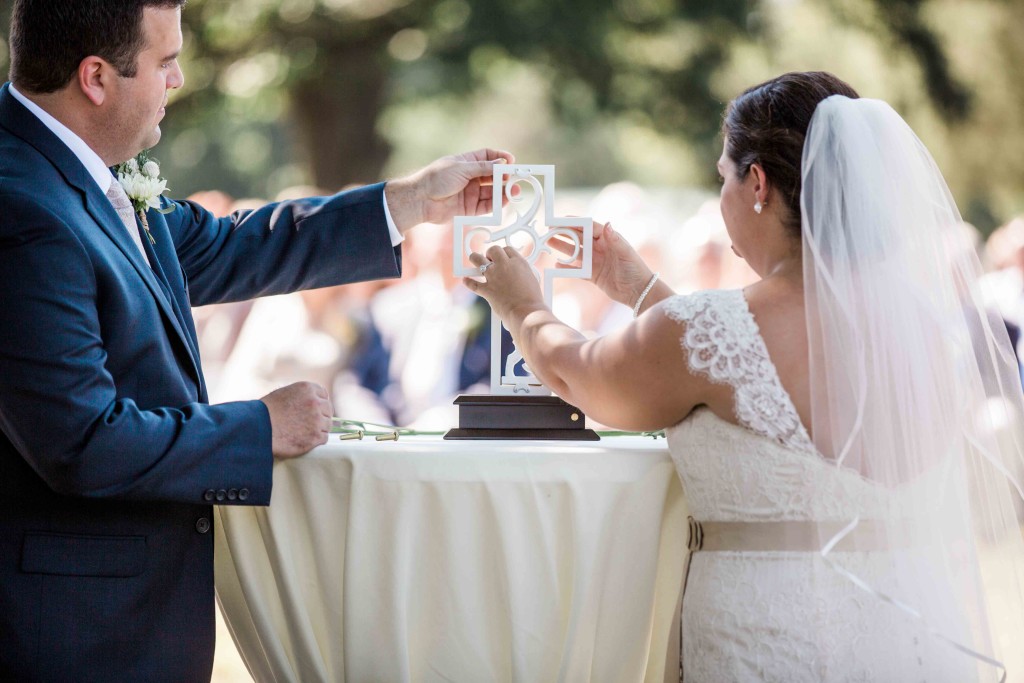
(92, 78)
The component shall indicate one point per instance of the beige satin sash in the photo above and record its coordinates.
(788, 536)
(810, 537)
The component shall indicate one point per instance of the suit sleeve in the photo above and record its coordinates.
(284, 247)
(59, 405)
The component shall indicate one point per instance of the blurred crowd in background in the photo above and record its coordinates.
(398, 352)
(331, 93)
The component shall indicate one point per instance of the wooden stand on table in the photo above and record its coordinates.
(519, 417)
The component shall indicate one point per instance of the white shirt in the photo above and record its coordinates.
(99, 171)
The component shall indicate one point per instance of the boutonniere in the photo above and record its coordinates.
(140, 178)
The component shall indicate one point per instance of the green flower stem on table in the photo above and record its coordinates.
(344, 427)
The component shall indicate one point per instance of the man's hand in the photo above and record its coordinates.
(300, 418)
(458, 185)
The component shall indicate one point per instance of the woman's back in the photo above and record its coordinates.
(776, 308)
(764, 498)
(833, 559)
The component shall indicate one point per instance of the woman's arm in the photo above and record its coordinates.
(635, 378)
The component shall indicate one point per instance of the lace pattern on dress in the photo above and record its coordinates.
(722, 342)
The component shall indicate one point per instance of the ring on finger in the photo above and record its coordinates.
(484, 266)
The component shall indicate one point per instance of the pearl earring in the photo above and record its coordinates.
(757, 207)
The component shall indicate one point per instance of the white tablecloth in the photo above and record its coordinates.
(429, 560)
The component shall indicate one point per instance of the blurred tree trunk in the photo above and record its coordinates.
(336, 114)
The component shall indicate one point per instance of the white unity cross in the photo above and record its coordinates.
(476, 233)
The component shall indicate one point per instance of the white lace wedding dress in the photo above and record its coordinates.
(760, 616)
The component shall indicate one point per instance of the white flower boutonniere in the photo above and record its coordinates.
(140, 178)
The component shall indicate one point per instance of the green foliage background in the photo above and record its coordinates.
(334, 92)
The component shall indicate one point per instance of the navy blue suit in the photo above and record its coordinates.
(110, 455)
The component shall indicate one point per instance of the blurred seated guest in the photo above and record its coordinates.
(313, 334)
(429, 345)
(703, 250)
(247, 204)
(1003, 289)
(635, 216)
(278, 341)
(1000, 246)
(630, 208)
(364, 374)
(300, 191)
(217, 325)
(435, 332)
(220, 204)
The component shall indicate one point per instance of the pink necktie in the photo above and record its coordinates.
(123, 205)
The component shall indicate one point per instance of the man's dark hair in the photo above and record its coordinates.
(50, 38)
(767, 125)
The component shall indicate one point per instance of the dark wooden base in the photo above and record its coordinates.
(531, 418)
(458, 434)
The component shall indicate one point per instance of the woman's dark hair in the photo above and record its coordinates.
(767, 125)
(50, 38)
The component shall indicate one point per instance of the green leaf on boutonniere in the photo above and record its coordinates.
(140, 178)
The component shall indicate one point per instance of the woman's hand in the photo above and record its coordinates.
(617, 269)
(509, 282)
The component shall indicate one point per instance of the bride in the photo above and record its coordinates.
(835, 424)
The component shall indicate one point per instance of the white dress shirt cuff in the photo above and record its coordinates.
(396, 237)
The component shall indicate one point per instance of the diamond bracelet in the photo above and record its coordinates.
(643, 295)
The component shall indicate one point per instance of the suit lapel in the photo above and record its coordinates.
(186, 332)
(21, 122)
(103, 212)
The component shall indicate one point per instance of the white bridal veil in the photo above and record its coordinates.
(914, 384)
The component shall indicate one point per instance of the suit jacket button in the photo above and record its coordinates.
(232, 494)
(222, 494)
(243, 494)
(202, 525)
(208, 495)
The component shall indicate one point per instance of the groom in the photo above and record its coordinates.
(110, 455)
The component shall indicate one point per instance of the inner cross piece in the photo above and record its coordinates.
(510, 375)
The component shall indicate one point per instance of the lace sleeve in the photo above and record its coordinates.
(721, 341)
